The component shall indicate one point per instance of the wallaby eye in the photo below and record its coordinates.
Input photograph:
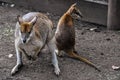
(29, 32)
(21, 31)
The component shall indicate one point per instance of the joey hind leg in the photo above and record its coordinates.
(37, 51)
(26, 55)
(19, 63)
(52, 46)
(29, 57)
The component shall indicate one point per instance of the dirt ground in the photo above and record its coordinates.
(102, 47)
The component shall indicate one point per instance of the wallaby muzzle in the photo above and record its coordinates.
(24, 40)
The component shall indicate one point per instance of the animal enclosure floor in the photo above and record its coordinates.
(94, 42)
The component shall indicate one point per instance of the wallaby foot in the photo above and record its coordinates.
(55, 64)
(16, 69)
(57, 71)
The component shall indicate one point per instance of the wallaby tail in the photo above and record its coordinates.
(76, 56)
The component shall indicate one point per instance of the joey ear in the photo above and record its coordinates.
(19, 19)
(33, 21)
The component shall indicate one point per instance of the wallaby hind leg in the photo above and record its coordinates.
(76, 56)
(19, 63)
(52, 46)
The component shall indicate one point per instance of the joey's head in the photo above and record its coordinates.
(75, 12)
(26, 28)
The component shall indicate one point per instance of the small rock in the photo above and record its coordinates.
(12, 5)
(82, 33)
(115, 67)
(3, 4)
(48, 13)
(108, 39)
(93, 29)
(102, 53)
(10, 55)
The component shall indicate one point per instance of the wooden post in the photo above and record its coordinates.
(113, 22)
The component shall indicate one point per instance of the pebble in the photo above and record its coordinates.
(10, 55)
(12, 5)
(115, 67)
(92, 29)
(108, 39)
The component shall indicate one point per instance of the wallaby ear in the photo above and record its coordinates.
(19, 19)
(73, 5)
(33, 21)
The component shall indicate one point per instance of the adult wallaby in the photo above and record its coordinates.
(33, 30)
(65, 34)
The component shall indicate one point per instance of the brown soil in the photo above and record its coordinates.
(101, 46)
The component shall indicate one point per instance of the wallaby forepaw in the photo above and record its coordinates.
(57, 71)
(16, 69)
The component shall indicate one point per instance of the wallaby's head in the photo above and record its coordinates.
(26, 28)
(75, 12)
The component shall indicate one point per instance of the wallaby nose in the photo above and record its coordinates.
(24, 40)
